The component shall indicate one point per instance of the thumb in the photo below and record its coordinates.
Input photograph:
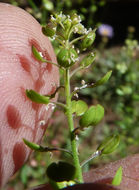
(20, 118)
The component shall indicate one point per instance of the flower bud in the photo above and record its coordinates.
(75, 19)
(67, 57)
(67, 23)
(88, 40)
(79, 29)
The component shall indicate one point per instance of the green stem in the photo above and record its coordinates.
(71, 127)
(76, 39)
(75, 71)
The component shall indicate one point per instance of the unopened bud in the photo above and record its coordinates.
(75, 19)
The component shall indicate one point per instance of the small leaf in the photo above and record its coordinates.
(61, 171)
(118, 177)
(33, 146)
(104, 79)
(92, 116)
(79, 107)
(35, 97)
(88, 60)
(109, 144)
(37, 54)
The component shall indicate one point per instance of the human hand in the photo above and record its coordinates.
(19, 117)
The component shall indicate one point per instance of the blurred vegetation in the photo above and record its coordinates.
(120, 96)
(42, 9)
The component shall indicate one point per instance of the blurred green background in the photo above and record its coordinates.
(117, 50)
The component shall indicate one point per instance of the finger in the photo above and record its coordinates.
(106, 173)
(19, 70)
(103, 176)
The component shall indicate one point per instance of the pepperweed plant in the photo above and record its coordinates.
(67, 30)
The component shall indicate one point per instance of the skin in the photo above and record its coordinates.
(19, 70)
(20, 118)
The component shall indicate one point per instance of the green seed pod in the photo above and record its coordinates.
(109, 144)
(67, 57)
(36, 97)
(88, 40)
(49, 30)
(33, 146)
(92, 116)
(88, 60)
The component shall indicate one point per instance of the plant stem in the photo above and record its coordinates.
(71, 127)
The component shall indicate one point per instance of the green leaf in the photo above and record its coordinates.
(37, 55)
(118, 177)
(109, 144)
(88, 60)
(79, 107)
(92, 116)
(33, 146)
(104, 79)
(35, 97)
(61, 171)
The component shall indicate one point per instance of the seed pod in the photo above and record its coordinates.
(79, 107)
(36, 97)
(88, 40)
(92, 116)
(88, 60)
(49, 30)
(67, 57)
(109, 144)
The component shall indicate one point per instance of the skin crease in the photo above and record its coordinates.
(20, 118)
